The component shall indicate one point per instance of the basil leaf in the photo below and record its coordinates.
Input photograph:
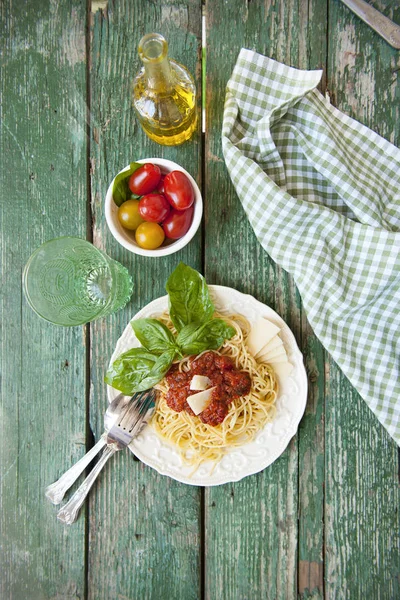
(188, 297)
(120, 190)
(195, 338)
(129, 369)
(160, 369)
(153, 335)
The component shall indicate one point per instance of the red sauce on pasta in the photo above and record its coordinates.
(229, 382)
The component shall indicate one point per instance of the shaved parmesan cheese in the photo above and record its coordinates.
(276, 342)
(198, 402)
(275, 353)
(200, 382)
(261, 333)
(277, 359)
(267, 357)
(283, 369)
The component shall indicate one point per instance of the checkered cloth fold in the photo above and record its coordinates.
(322, 193)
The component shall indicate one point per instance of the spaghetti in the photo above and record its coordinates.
(198, 442)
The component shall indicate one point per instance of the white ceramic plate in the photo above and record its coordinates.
(269, 443)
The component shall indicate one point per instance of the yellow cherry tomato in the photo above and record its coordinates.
(129, 216)
(149, 235)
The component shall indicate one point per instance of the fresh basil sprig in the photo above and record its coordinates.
(129, 369)
(188, 297)
(154, 335)
(137, 370)
(159, 370)
(195, 338)
(120, 190)
(191, 311)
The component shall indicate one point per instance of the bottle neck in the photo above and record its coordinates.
(153, 51)
(159, 75)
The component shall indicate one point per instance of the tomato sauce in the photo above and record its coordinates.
(229, 382)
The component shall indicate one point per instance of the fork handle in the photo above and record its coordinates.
(56, 491)
(69, 512)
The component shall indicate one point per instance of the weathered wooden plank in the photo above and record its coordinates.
(312, 426)
(251, 537)
(144, 528)
(251, 526)
(362, 493)
(43, 149)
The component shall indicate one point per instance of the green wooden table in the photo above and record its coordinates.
(322, 521)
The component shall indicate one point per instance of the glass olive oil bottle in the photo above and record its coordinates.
(164, 94)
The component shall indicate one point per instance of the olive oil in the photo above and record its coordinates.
(164, 94)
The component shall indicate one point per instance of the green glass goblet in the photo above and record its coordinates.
(68, 281)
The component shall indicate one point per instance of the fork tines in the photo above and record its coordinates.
(134, 416)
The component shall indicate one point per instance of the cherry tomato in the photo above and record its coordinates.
(128, 215)
(154, 207)
(177, 223)
(145, 179)
(160, 187)
(178, 190)
(149, 235)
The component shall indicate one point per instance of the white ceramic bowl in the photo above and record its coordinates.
(127, 238)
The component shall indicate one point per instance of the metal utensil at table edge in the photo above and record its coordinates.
(56, 491)
(376, 20)
(119, 436)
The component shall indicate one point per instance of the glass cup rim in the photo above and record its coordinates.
(25, 273)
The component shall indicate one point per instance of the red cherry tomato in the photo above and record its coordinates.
(160, 187)
(178, 190)
(177, 223)
(145, 179)
(154, 208)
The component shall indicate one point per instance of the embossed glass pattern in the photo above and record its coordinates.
(68, 281)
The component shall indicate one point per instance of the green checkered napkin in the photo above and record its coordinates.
(322, 193)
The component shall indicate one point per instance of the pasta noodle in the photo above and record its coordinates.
(198, 442)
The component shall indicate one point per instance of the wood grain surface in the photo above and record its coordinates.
(148, 547)
(43, 175)
(361, 460)
(245, 520)
(322, 521)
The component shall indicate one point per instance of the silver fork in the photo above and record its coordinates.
(56, 491)
(119, 436)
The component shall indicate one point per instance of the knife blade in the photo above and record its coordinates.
(376, 20)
